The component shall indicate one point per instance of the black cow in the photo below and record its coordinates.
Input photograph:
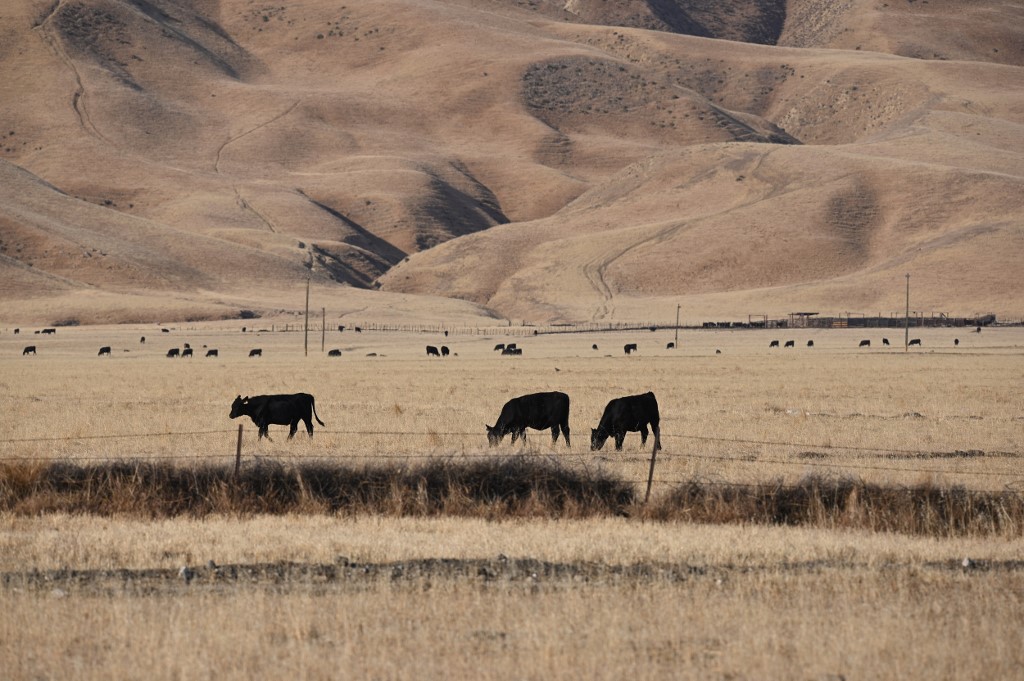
(499, 346)
(165, 330)
(334, 353)
(282, 410)
(628, 415)
(790, 344)
(142, 340)
(187, 352)
(885, 341)
(341, 327)
(956, 341)
(594, 346)
(810, 344)
(445, 351)
(512, 351)
(864, 344)
(187, 346)
(173, 352)
(670, 346)
(629, 347)
(49, 331)
(359, 329)
(511, 346)
(915, 341)
(539, 411)
(105, 350)
(17, 331)
(432, 351)
(774, 344)
(212, 352)
(256, 352)
(29, 350)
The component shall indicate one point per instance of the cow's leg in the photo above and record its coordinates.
(554, 434)
(619, 438)
(292, 427)
(643, 435)
(522, 435)
(515, 435)
(657, 436)
(309, 425)
(565, 432)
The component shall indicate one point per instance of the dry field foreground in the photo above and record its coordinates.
(611, 597)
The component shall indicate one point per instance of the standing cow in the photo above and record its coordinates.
(282, 410)
(539, 411)
(432, 351)
(105, 350)
(628, 415)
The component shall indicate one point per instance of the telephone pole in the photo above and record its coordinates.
(306, 334)
(906, 324)
(677, 325)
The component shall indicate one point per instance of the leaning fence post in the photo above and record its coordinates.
(650, 476)
(238, 452)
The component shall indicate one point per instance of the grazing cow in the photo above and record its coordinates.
(718, 352)
(512, 351)
(282, 410)
(810, 344)
(885, 341)
(256, 352)
(359, 329)
(341, 327)
(212, 352)
(173, 352)
(628, 414)
(864, 344)
(774, 344)
(511, 346)
(432, 351)
(539, 411)
(670, 346)
(49, 332)
(165, 330)
(594, 346)
(445, 351)
(629, 348)
(334, 353)
(17, 331)
(790, 344)
(142, 340)
(915, 341)
(499, 346)
(956, 341)
(105, 350)
(187, 352)
(29, 350)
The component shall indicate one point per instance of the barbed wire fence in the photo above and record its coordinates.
(1016, 485)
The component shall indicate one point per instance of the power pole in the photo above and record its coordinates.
(306, 334)
(906, 324)
(677, 326)
(323, 328)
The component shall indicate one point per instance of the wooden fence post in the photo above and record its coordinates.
(238, 452)
(650, 475)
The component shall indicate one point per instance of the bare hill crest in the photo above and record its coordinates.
(547, 160)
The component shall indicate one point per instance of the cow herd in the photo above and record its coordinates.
(539, 411)
(866, 343)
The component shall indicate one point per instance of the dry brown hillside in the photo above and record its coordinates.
(544, 160)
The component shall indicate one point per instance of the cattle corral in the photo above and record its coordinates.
(697, 598)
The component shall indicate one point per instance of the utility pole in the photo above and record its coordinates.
(306, 334)
(906, 324)
(677, 325)
(323, 328)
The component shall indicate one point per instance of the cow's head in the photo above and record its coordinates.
(598, 436)
(237, 407)
(493, 434)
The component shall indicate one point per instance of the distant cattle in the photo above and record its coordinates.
(885, 341)
(670, 346)
(629, 348)
(445, 351)
(174, 352)
(17, 331)
(341, 327)
(977, 330)
(29, 350)
(165, 330)
(187, 352)
(594, 346)
(187, 346)
(810, 344)
(359, 329)
(334, 353)
(790, 344)
(512, 351)
(105, 350)
(143, 340)
(446, 333)
(283, 410)
(774, 344)
(718, 352)
(628, 415)
(956, 341)
(256, 352)
(915, 341)
(499, 346)
(511, 346)
(49, 331)
(539, 411)
(212, 352)
(432, 351)
(864, 344)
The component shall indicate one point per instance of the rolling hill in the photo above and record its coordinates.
(530, 160)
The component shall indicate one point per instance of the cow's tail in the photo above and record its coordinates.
(312, 403)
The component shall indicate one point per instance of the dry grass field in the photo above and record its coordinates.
(444, 597)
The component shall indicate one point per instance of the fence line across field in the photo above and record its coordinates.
(434, 456)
